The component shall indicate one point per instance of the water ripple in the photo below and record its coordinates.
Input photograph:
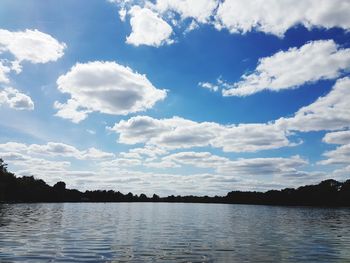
(161, 232)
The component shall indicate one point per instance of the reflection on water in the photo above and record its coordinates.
(169, 232)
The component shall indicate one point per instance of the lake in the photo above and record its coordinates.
(172, 232)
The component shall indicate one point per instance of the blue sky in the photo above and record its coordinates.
(175, 96)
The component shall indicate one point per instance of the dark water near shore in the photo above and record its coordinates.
(166, 232)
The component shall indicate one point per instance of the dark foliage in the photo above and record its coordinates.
(29, 189)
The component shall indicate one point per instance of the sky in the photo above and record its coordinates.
(176, 96)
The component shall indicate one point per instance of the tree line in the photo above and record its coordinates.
(29, 189)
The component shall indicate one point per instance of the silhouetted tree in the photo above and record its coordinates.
(60, 186)
(155, 198)
(143, 197)
(129, 197)
(29, 189)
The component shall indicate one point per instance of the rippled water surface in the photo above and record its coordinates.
(163, 232)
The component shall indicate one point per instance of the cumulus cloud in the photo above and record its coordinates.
(112, 174)
(341, 155)
(15, 47)
(24, 165)
(241, 166)
(37, 166)
(13, 147)
(118, 163)
(252, 137)
(277, 16)
(313, 61)
(105, 87)
(286, 167)
(44, 161)
(176, 132)
(330, 112)
(15, 99)
(215, 172)
(275, 167)
(54, 149)
(148, 28)
(31, 45)
(96, 154)
(145, 156)
(71, 110)
(198, 159)
(342, 173)
(339, 137)
(149, 151)
(237, 16)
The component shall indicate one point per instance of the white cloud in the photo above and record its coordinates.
(13, 147)
(245, 173)
(252, 137)
(176, 132)
(26, 165)
(339, 137)
(148, 151)
(242, 167)
(71, 110)
(161, 164)
(283, 167)
(130, 155)
(148, 28)
(197, 159)
(112, 174)
(192, 26)
(118, 163)
(313, 61)
(140, 129)
(65, 150)
(15, 99)
(200, 10)
(44, 161)
(4, 70)
(55, 149)
(209, 86)
(330, 112)
(341, 156)
(31, 45)
(277, 16)
(341, 173)
(39, 166)
(105, 87)
(96, 154)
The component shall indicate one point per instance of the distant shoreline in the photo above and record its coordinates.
(176, 202)
(27, 189)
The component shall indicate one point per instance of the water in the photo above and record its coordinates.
(169, 232)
